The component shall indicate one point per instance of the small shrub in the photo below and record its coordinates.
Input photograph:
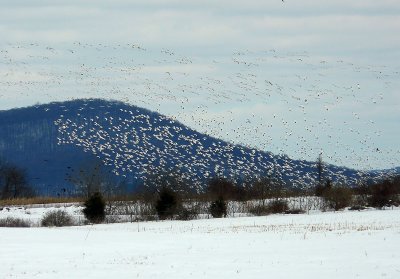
(145, 218)
(259, 210)
(278, 206)
(12, 222)
(167, 204)
(113, 219)
(338, 197)
(395, 203)
(357, 207)
(94, 209)
(57, 218)
(218, 208)
(186, 214)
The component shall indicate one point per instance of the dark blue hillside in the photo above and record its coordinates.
(134, 144)
(28, 139)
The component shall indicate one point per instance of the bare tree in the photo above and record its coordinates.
(167, 178)
(13, 182)
(91, 177)
(220, 187)
(320, 168)
(261, 188)
(320, 173)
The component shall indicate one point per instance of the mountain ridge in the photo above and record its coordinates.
(135, 143)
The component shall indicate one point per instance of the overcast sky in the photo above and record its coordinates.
(293, 77)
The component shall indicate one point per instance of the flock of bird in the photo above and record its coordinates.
(285, 103)
(143, 144)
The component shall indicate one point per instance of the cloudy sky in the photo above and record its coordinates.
(292, 77)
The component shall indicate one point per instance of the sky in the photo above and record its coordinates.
(291, 77)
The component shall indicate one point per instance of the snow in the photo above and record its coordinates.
(35, 213)
(343, 244)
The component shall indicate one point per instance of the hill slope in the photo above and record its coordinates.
(135, 144)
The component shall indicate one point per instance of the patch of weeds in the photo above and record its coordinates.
(186, 214)
(295, 211)
(357, 207)
(12, 222)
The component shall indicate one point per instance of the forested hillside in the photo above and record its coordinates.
(135, 145)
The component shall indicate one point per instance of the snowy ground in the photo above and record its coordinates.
(319, 245)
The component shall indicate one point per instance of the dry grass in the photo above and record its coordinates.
(12, 222)
(38, 200)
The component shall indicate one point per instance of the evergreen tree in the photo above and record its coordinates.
(167, 204)
(218, 208)
(94, 209)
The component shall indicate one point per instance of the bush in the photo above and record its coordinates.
(12, 222)
(187, 214)
(357, 207)
(338, 197)
(218, 208)
(94, 209)
(361, 195)
(295, 211)
(321, 189)
(57, 218)
(278, 206)
(167, 204)
(384, 194)
(259, 210)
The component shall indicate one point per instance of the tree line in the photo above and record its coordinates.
(169, 195)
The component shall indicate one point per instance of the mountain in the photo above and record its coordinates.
(52, 140)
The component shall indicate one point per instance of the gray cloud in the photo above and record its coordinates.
(342, 45)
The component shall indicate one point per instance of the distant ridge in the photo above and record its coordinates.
(135, 143)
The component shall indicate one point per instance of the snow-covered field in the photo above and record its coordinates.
(344, 244)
